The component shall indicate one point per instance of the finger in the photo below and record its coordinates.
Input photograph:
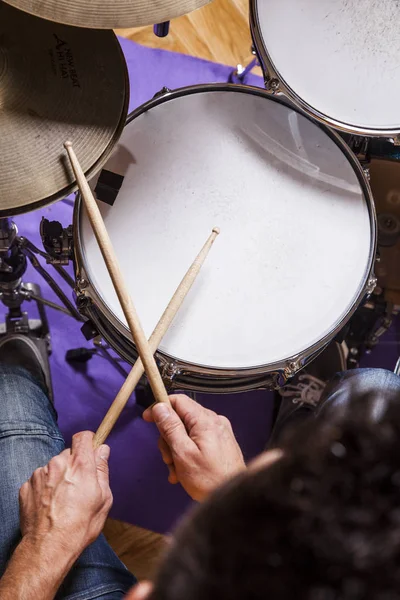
(172, 476)
(102, 455)
(165, 450)
(181, 404)
(141, 591)
(191, 412)
(171, 428)
(37, 478)
(58, 465)
(148, 414)
(82, 449)
(168, 460)
(24, 490)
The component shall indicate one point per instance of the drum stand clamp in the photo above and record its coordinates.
(15, 252)
(57, 241)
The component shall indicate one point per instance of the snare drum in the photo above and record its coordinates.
(294, 257)
(338, 60)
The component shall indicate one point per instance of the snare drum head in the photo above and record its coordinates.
(295, 244)
(340, 58)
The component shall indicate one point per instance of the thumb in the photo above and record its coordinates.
(170, 426)
(102, 454)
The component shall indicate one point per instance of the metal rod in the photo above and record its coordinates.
(54, 286)
(28, 295)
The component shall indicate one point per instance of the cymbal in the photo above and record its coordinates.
(57, 83)
(108, 14)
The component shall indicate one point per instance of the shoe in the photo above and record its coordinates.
(302, 394)
(23, 351)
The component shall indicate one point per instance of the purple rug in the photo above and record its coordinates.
(138, 476)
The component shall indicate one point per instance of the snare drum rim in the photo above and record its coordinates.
(270, 71)
(69, 189)
(293, 363)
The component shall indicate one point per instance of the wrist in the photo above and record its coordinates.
(37, 568)
(50, 549)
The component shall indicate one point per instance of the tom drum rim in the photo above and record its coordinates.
(276, 83)
(187, 375)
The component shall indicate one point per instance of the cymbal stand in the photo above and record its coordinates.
(15, 251)
(239, 74)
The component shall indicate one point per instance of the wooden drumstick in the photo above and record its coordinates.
(110, 259)
(160, 330)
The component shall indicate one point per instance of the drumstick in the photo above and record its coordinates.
(160, 330)
(110, 259)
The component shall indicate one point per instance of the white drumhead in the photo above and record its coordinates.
(341, 57)
(295, 237)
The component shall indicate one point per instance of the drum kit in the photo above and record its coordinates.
(285, 171)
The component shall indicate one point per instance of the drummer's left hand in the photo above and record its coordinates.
(198, 445)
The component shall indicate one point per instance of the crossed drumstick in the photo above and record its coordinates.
(146, 348)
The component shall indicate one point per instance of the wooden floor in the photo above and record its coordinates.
(217, 32)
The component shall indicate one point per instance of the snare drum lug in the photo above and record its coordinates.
(273, 85)
(291, 368)
(169, 371)
(367, 173)
(82, 302)
(371, 284)
(395, 140)
(162, 92)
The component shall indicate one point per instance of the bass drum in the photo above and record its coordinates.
(294, 257)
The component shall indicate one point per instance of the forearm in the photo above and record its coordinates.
(36, 570)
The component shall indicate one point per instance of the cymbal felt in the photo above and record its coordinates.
(57, 83)
(108, 14)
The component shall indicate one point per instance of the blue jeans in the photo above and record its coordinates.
(344, 389)
(29, 438)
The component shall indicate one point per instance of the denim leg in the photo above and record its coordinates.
(381, 387)
(29, 438)
(347, 387)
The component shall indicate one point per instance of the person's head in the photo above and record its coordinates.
(320, 523)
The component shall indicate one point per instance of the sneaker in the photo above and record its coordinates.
(301, 396)
(29, 353)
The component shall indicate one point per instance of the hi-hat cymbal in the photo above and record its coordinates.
(108, 14)
(57, 83)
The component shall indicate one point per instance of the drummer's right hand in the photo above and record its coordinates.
(198, 445)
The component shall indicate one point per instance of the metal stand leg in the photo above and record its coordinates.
(239, 74)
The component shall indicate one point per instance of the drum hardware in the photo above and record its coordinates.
(14, 253)
(240, 73)
(161, 29)
(397, 367)
(388, 229)
(163, 92)
(57, 241)
(368, 325)
(291, 369)
(169, 372)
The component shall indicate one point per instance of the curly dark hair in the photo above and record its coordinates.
(322, 523)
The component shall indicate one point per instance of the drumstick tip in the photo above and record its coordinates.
(216, 230)
(67, 145)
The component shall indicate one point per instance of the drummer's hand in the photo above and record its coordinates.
(198, 445)
(65, 504)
